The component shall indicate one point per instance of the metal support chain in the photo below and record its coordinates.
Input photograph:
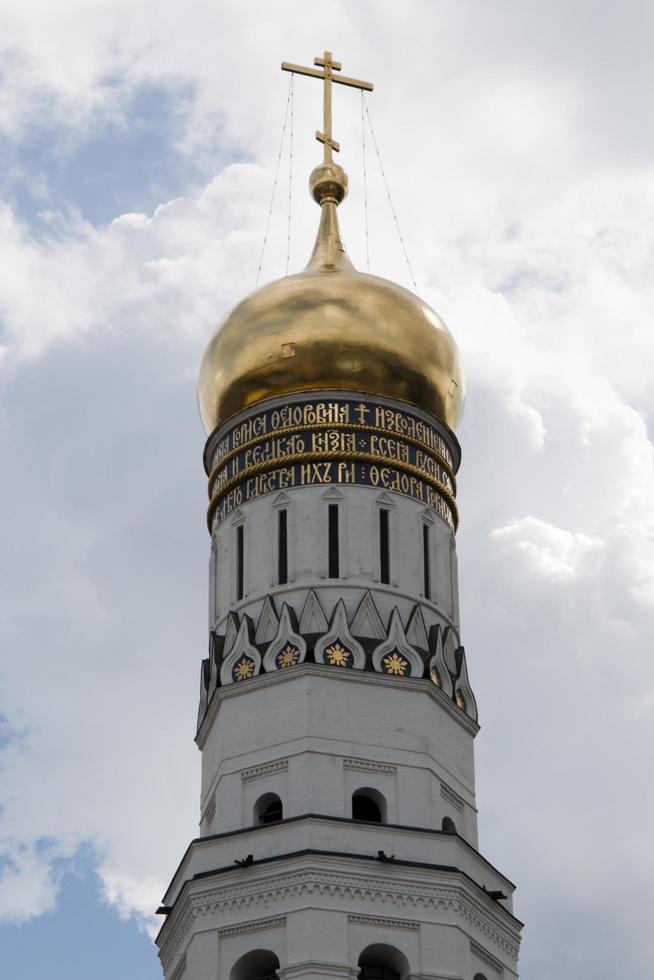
(272, 196)
(388, 194)
(365, 180)
(290, 184)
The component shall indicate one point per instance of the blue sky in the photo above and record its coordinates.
(137, 151)
(129, 163)
(81, 936)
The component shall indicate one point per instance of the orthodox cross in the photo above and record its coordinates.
(328, 76)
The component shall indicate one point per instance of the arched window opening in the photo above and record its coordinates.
(268, 809)
(378, 973)
(259, 964)
(479, 976)
(448, 826)
(369, 805)
(381, 962)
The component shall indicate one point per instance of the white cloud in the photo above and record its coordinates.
(519, 164)
(76, 278)
(548, 552)
(28, 885)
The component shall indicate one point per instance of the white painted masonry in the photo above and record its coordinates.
(305, 896)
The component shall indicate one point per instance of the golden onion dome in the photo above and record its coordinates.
(330, 327)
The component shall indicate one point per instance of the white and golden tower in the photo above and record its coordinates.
(338, 833)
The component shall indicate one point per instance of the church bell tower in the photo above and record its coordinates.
(338, 829)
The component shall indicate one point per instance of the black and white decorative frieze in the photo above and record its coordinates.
(395, 655)
(338, 648)
(243, 659)
(360, 641)
(288, 648)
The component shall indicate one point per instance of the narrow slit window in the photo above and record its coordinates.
(282, 547)
(216, 583)
(426, 563)
(384, 554)
(333, 555)
(240, 555)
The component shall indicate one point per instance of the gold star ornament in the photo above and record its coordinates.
(337, 655)
(395, 664)
(243, 669)
(288, 657)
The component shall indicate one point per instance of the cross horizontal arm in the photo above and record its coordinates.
(302, 71)
(328, 139)
(354, 82)
(334, 65)
(338, 79)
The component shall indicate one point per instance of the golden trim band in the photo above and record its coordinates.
(341, 438)
(381, 471)
(362, 415)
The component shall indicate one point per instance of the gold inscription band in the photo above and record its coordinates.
(355, 456)
(394, 421)
(311, 427)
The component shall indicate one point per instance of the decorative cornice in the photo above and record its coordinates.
(366, 620)
(451, 797)
(484, 955)
(352, 583)
(267, 622)
(439, 670)
(367, 765)
(382, 922)
(344, 641)
(395, 655)
(312, 618)
(413, 889)
(243, 660)
(179, 969)
(181, 874)
(174, 895)
(210, 810)
(287, 648)
(338, 648)
(463, 693)
(416, 630)
(254, 925)
(279, 765)
(171, 945)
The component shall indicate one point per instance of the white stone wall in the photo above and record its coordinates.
(318, 913)
(359, 554)
(315, 735)
(317, 889)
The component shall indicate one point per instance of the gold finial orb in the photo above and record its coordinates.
(328, 182)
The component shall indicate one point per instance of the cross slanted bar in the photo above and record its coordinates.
(329, 66)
